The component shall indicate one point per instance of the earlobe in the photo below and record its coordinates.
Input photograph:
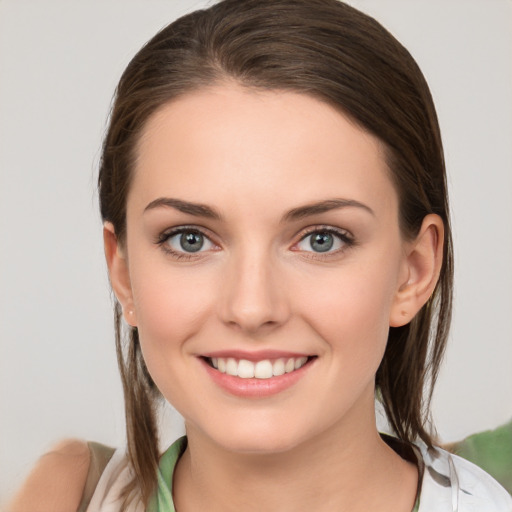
(118, 272)
(422, 265)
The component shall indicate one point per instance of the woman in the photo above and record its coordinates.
(277, 236)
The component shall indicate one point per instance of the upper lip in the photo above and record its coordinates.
(257, 355)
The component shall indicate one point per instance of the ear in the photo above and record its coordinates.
(118, 271)
(420, 272)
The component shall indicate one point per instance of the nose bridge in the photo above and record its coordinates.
(253, 298)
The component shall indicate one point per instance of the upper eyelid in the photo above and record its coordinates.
(324, 228)
(166, 233)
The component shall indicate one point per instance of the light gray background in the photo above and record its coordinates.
(59, 63)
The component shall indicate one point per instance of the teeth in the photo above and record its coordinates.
(264, 369)
(231, 366)
(245, 369)
(278, 367)
(300, 362)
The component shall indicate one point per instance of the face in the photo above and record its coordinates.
(263, 263)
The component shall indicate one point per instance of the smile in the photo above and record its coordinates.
(256, 375)
(264, 369)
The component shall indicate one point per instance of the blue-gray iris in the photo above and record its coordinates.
(191, 242)
(322, 242)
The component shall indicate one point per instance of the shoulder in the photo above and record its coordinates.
(57, 481)
(453, 483)
(479, 486)
(491, 450)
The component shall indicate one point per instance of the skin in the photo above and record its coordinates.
(56, 482)
(258, 284)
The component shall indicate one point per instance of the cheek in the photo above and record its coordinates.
(350, 310)
(171, 305)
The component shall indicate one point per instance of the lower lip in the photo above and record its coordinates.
(256, 388)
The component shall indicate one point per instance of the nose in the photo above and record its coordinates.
(254, 298)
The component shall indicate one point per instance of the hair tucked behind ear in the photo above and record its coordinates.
(331, 51)
(140, 395)
(410, 367)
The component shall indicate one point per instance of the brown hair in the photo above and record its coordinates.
(333, 52)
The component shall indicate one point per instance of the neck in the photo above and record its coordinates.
(344, 468)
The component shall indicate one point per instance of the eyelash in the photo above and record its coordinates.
(164, 237)
(344, 236)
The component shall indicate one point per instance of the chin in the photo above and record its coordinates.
(260, 446)
(259, 438)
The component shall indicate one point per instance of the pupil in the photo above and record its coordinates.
(191, 242)
(322, 242)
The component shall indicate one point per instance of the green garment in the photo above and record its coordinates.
(491, 450)
(162, 500)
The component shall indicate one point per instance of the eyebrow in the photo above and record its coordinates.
(324, 206)
(196, 209)
(202, 210)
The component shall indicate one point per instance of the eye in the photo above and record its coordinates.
(186, 240)
(324, 240)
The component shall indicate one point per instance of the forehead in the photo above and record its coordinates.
(233, 144)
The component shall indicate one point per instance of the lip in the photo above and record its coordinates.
(255, 388)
